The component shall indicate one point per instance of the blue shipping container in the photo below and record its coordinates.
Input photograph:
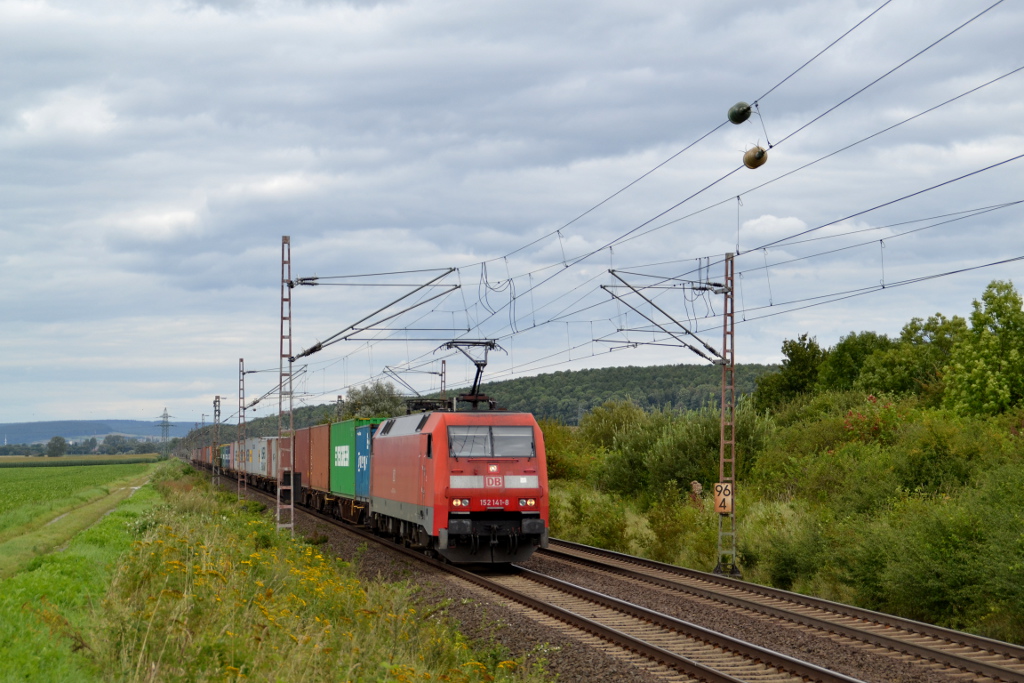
(363, 436)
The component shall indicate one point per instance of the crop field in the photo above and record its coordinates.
(28, 493)
(72, 460)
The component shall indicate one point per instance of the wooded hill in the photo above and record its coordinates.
(566, 396)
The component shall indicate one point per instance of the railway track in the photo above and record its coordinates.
(656, 643)
(952, 653)
(698, 653)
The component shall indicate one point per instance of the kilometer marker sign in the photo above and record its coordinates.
(723, 498)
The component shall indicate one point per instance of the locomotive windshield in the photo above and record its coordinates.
(490, 442)
(469, 442)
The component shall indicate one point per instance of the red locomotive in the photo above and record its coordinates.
(470, 487)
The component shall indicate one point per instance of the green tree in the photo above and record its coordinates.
(914, 365)
(567, 455)
(842, 364)
(798, 375)
(985, 374)
(82, 447)
(378, 399)
(603, 425)
(115, 443)
(56, 447)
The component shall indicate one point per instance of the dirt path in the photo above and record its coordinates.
(17, 552)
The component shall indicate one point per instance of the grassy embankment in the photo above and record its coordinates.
(889, 505)
(179, 583)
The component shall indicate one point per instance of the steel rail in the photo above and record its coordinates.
(973, 665)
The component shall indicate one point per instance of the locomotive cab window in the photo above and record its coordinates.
(469, 442)
(490, 442)
(513, 442)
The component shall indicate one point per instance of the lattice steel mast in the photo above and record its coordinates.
(727, 563)
(215, 446)
(240, 448)
(725, 487)
(285, 422)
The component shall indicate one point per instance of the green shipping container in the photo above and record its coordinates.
(343, 454)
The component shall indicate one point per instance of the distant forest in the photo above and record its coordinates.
(566, 396)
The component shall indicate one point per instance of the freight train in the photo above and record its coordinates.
(469, 487)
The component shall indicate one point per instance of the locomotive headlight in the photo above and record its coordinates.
(527, 502)
(465, 502)
(456, 503)
(460, 502)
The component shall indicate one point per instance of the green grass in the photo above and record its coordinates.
(23, 548)
(183, 584)
(45, 610)
(30, 497)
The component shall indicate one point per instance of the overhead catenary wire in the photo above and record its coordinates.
(834, 297)
(893, 201)
(782, 305)
(779, 305)
(627, 235)
(979, 212)
(967, 213)
(908, 196)
(689, 146)
(827, 156)
(892, 70)
(952, 217)
(509, 284)
(786, 239)
(841, 296)
(823, 50)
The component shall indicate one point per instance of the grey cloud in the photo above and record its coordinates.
(150, 162)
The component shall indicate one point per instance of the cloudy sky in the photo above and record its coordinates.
(153, 154)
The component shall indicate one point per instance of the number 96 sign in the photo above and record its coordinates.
(723, 498)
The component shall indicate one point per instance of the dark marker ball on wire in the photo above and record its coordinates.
(754, 157)
(739, 112)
